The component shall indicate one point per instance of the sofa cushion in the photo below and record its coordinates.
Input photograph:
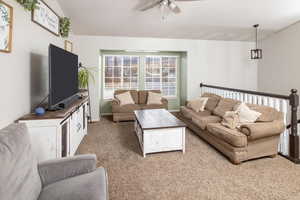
(224, 105)
(19, 177)
(90, 186)
(189, 113)
(268, 114)
(134, 94)
(126, 108)
(154, 98)
(203, 121)
(233, 137)
(212, 102)
(125, 98)
(143, 95)
(198, 105)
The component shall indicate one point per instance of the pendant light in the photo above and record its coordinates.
(256, 53)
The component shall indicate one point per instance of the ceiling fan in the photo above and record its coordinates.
(170, 4)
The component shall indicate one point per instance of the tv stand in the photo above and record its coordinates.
(58, 133)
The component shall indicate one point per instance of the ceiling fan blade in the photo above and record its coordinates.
(152, 5)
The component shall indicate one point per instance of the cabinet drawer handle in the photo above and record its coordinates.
(78, 127)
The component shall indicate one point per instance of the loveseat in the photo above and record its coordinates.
(249, 141)
(126, 112)
(22, 178)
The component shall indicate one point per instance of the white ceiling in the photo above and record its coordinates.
(208, 19)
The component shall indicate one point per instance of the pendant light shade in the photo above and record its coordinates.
(256, 53)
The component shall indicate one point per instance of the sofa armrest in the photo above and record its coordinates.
(115, 102)
(59, 169)
(186, 102)
(165, 102)
(262, 129)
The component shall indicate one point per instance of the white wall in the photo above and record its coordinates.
(24, 75)
(279, 70)
(212, 62)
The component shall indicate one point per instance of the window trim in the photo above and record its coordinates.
(176, 71)
(122, 66)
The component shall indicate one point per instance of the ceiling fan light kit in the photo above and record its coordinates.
(166, 6)
(256, 53)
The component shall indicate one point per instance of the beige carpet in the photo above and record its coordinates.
(201, 173)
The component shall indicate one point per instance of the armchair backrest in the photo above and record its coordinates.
(19, 177)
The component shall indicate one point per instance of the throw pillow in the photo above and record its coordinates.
(154, 98)
(231, 120)
(198, 105)
(246, 115)
(212, 102)
(225, 104)
(125, 98)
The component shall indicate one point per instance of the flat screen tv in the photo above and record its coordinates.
(63, 76)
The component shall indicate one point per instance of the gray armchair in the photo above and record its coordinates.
(21, 177)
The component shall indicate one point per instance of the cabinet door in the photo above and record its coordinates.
(72, 134)
(43, 140)
(76, 130)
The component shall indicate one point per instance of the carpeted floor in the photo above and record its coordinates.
(199, 174)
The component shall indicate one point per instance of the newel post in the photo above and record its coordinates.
(294, 137)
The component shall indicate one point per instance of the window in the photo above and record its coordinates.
(161, 74)
(120, 72)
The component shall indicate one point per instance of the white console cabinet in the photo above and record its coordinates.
(58, 134)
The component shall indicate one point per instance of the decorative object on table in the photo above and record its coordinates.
(256, 53)
(64, 24)
(84, 74)
(44, 16)
(29, 5)
(39, 111)
(68, 46)
(6, 24)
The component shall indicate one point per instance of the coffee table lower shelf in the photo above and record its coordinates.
(160, 139)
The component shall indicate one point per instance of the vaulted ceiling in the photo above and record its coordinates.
(207, 19)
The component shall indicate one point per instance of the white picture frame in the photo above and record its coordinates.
(45, 17)
(6, 25)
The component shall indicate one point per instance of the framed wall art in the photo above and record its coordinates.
(44, 16)
(68, 46)
(6, 25)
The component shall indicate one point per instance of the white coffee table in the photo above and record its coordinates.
(159, 131)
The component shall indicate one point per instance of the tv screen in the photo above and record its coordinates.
(63, 75)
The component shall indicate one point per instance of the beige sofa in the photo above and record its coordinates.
(250, 141)
(125, 112)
